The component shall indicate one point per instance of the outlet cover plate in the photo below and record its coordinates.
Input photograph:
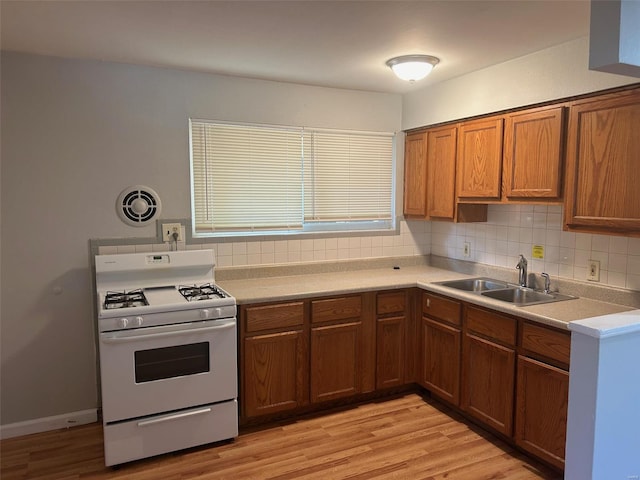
(168, 229)
(593, 271)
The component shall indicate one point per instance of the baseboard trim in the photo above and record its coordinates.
(45, 424)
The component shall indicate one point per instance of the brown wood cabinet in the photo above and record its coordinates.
(441, 172)
(441, 347)
(533, 154)
(391, 338)
(488, 368)
(336, 357)
(274, 359)
(479, 159)
(542, 392)
(415, 175)
(603, 155)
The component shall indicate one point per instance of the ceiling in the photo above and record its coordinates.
(342, 44)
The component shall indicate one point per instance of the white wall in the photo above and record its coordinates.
(554, 73)
(76, 133)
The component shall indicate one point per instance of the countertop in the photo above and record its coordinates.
(305, 285)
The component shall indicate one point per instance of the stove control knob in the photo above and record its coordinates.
(123, 322)
(204, 313)
(218, 312)
(138, 321)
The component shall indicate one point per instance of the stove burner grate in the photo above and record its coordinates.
(202, 292)
(133, 298)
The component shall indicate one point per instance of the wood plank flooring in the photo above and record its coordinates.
(408, 437)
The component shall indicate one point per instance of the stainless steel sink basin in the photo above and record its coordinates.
(474, 284)
(505, 292)
(525, 296)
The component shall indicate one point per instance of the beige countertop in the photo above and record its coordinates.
(288, 287)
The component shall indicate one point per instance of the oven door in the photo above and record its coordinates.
(151, 370)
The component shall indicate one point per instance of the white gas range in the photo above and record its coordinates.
(168, 353)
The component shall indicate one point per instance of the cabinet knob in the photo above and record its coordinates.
(428, 303)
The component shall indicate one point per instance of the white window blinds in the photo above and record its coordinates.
(254, 178)
(348, 176)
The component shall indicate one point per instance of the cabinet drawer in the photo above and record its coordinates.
(274, 316)
(492, 325)
(441, 308)
(550, 343)
(392, 302)
(336, 309)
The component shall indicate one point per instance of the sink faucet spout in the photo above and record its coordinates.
(522, 266)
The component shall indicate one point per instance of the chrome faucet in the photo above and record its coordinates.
(522, 266)
(547, 282)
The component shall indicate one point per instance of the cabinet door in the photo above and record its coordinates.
(602, 164)
(441, 172)
(415, 175)
(441, 360)
(275, 373)
(479, 160)
(335, 361)
(390, 355)
(488, 381)
(541, 410)
(533, 152)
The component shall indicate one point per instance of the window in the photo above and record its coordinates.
(249, 179)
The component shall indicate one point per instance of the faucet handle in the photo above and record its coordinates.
(547, 282)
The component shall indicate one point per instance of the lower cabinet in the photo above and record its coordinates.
(441, 347)
(541, 419)
(391, 338)
(274, 373)
(335, 361)
(274, 364)
(543, 392)
(488, 370)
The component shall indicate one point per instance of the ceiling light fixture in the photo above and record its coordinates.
(412, 67)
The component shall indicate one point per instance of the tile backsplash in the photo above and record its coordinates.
(510, 230)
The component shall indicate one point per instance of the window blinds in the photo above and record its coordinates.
(264, 178)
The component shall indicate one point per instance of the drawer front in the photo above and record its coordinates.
(333, 309)
(274, 316)
(491, 325)
(392, 302)
(550, 343)
(441, 308)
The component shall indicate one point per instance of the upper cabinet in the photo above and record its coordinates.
(603, 154)
(415, 175)
(533, 150)
(441, 172)
(430, 178)
(479, 165)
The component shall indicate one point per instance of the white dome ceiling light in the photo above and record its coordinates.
(138, 205)
(412, 67)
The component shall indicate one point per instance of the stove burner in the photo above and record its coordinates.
(202, 292)
(133, 298)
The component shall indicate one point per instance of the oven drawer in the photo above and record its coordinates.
(164, 433)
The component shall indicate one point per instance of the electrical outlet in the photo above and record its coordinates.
(168, 229)
(593, 272)
(466, 251)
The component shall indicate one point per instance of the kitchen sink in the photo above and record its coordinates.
(474, 284)
(525, 296)
(505, 292)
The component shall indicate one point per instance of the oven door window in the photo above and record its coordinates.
(169, 362)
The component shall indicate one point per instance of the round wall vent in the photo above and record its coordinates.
(138, 205)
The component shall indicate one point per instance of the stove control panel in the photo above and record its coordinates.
(157, 259)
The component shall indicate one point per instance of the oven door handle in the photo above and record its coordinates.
(176, 416)
(122, 337)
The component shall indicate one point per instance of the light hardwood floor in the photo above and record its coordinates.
(408, 437)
